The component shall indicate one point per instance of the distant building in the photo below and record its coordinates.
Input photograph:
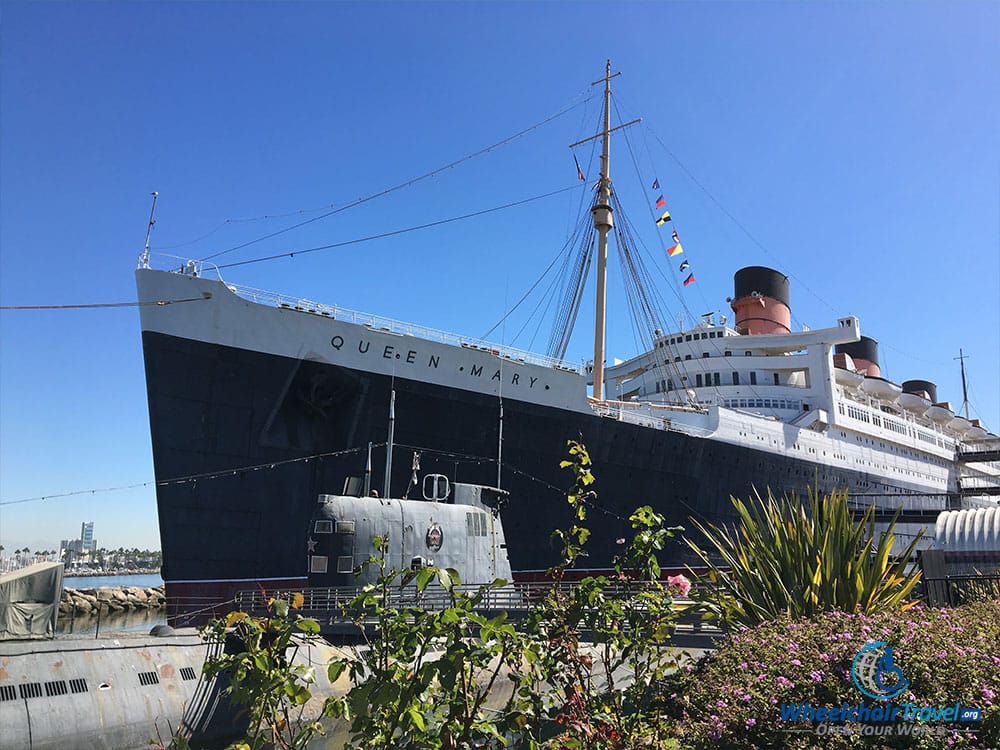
(87, 536)
(71, 545)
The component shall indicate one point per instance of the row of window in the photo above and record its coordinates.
(691, 337)
(710, 379)
(706, 355)
(763, 403)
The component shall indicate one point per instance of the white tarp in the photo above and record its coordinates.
(29, 601)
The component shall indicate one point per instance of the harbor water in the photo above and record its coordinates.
(146, 580)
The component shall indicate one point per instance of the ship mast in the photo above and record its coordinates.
(603, 223)
(965, 390)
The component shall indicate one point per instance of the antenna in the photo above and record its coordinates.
(388, 447)
(965, 391)
(368, 472)
(149, 231)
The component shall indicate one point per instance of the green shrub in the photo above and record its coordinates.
(788, 558)
(731, 699)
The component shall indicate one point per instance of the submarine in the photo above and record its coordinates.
(126, 691)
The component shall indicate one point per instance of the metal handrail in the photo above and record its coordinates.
(376, 322)
(509, 598)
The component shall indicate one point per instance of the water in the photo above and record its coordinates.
(93, 582)
(129, 621)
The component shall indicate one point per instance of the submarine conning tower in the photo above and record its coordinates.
(865, 355)
(921, 387)
(761, 301)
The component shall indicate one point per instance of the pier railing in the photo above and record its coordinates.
(515, 599)
(953, 591)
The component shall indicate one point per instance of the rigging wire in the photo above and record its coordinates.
(345, 243)
(94, 306)
(405, 184)
(194, 477)
(526, 294)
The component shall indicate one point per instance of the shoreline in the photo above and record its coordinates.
(111, 599)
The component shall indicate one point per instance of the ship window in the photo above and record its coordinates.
(345, 564)
(748, 354)
(323, 527)
(317, 563)
(670, 384)
(697, 380)
(7, 693)
(79, 685)
(187, 673)
(149, 678)
(704, 355)
(727, 354)
(30, 690)
(776, 378)
(736, 378)
(688, 337)
(753, 378)
(718, 378)
(657, 386)
(345, 527)
(704, 335)
(677, 359)
(687, 356)
(56, 687)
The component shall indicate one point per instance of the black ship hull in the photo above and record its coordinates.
(244, 442)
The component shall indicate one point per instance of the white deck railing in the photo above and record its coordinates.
(375, 322)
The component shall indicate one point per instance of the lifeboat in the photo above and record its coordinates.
(913, 402)
(881, 389)
(848, 378)
(976, 433)
(940, 413)
(959, 425)
(844, 371)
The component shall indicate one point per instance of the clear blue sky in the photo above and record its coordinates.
(856, 142)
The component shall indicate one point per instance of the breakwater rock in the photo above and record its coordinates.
(111, 599)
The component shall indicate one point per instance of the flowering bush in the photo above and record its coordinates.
(732, 698)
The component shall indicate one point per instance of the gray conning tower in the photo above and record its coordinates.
(455, 526)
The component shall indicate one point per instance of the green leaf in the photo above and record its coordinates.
(280, 608)
(417, 718)
(425, 576)
(444, 576)
(307, 625)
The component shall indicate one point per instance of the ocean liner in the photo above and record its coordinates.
(259, 403)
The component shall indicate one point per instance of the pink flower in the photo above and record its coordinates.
(679, 583)
(620, 540)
